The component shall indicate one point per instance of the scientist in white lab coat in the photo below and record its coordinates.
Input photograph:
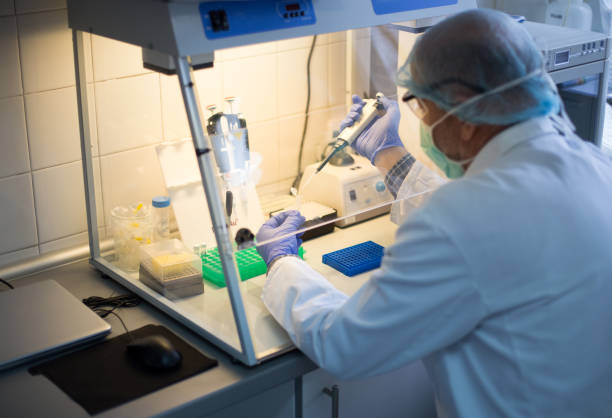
(502, 280)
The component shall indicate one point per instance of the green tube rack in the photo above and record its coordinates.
(250, 264)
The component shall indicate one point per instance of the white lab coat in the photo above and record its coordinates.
(501, 282)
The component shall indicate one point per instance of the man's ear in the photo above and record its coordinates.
(467, 131)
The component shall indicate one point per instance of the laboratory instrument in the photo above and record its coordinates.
(349, 189)
(578, 62)
(161, 217)
(355, 259)
(372, 109)
(179, 168)
(318, 218)
(44, 318)
(230, 142)
(184, 34)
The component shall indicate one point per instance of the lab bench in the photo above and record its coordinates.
(287, 386)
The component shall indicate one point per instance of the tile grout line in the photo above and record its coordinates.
(25, 114)
(74, 84)
(36, 12)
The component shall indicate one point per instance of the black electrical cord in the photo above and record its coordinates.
(6, 283)
(115, 302)
(305, 128)
(100, 306)
(103, 313)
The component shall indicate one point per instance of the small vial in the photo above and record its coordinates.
(200, 249)
(161, 218)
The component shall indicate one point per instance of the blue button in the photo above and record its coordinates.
(380, 186)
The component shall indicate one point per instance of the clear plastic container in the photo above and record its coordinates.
(170, 260)
(570, 13)
(161, 218)
(131, 227)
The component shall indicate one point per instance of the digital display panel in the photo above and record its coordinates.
(292, 7)
(561, 57)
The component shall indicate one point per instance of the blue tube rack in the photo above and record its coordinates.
(355, 259)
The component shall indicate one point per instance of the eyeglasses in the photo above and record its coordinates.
(415, 104)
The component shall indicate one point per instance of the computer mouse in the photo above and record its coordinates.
(154, 352)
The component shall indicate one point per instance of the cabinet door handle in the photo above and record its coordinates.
(334, 394)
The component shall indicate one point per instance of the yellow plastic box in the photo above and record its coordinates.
(169, 260)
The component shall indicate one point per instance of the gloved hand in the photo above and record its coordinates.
(380, 134)
(282, 224)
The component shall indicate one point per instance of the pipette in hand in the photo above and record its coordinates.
(372, 109)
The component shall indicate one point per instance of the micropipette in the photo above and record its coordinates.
(372, 109)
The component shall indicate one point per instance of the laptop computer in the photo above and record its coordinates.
(43, 318)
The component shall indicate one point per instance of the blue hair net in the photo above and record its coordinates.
(472, 53)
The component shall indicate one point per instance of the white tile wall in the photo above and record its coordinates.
(210, 91)
(253, 79)
(321, 125)
(60, 211)
(19, 255)
(264, 139)
(130, 176)
(114, 59)
(292, 80)
(173, 110)
(336, 95)
(18, 222)
(53, 127)
(45, 46)
(63, 243)
(129, 113)
(10, 72)
(7, 7)
(27, 6)
(209, 82)
(132, 109)
(14, 157)
(254, 50)
(290, 134)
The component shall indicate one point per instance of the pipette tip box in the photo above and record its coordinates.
(170, 269)
(356, 258)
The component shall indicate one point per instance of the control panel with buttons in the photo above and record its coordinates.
(578, 54)
(223, 19)
(565, 47)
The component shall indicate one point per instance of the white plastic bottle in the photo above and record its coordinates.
(570, 13)
(161, 218)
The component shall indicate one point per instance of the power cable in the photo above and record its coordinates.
(7, 284)
(306, 114)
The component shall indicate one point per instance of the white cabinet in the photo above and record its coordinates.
(406, 392)
(277, 402)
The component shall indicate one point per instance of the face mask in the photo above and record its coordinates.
(454, 168)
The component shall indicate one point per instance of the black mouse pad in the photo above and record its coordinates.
(103, 376)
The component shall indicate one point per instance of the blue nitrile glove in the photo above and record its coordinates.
(382, 132)
(282, 224)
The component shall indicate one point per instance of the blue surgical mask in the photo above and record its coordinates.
(452, 168)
